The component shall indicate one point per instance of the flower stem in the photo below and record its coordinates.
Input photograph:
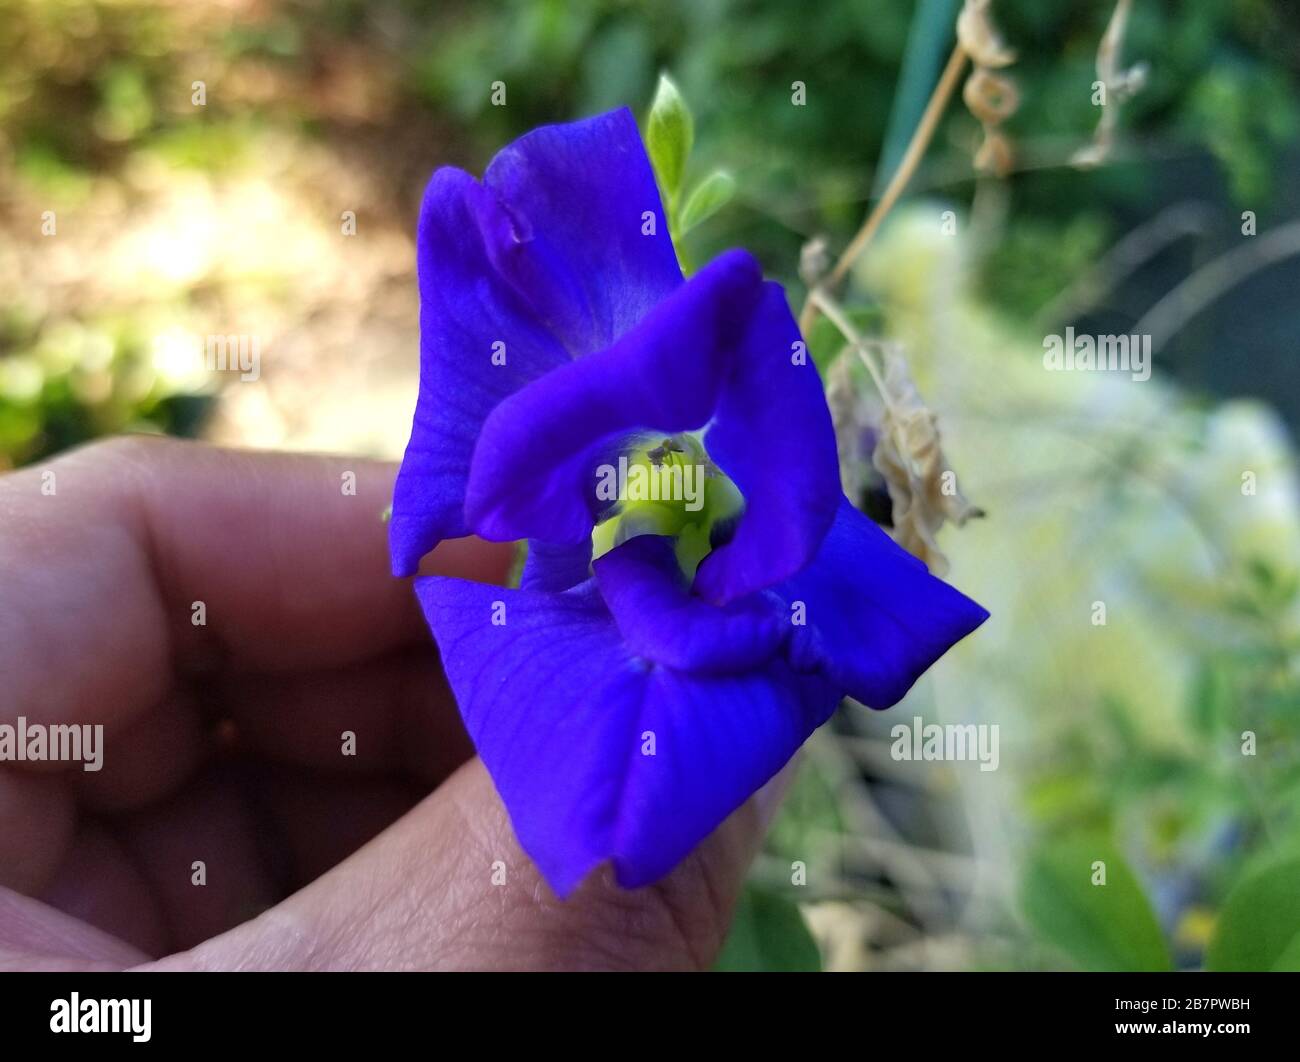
(836, 315)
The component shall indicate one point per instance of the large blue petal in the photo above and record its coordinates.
(719, 739)
(534, 469)
(525, 260)
(548, 257)
(772, 435)
(465, 307)
(584, 189)
(563, 714)
(876, 619)
(544, 698)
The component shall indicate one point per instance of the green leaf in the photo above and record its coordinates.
(1289, 959)
(768, 934)
(1108, 927)
(1259, 927)
(670, 132)
(708, 197)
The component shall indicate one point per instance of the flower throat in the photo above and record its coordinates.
(666, 486)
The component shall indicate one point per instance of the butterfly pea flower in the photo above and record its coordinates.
(663, 656)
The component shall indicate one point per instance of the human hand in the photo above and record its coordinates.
(224, 743)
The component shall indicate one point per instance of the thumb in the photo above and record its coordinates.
(447, 887)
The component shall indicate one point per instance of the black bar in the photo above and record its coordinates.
(658, 1012)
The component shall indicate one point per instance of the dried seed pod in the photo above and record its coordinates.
(814, 261)
(990, 97)
(995, 156)
(1117, 83)
(856, 419)
(922, 486)
(980, 38)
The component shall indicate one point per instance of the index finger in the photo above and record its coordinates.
(128, 562)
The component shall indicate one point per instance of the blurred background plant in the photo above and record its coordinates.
(134, 221)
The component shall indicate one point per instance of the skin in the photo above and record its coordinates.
(222, 742)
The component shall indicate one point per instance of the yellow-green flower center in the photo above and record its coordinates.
(666, 486)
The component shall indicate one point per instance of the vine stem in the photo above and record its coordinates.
(840, 320)
(921, 138)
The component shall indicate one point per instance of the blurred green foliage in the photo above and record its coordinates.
(1259, 928)
(71, 380)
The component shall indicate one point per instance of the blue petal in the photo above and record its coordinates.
(772, 435)
(465, 307)
(547, 257)
(537, 273)
(718, 740)
(534, 469)
(722, 351)
(586, 187)
(562, 713)
(876, 619)
(644, 589)
(556, 568)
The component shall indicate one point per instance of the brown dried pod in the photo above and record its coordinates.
(996, 155)
(1118, 83)
(814, 261)
(980, 38)
(922, 486)
(991, 97)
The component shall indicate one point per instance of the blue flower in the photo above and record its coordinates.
(660, 660)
